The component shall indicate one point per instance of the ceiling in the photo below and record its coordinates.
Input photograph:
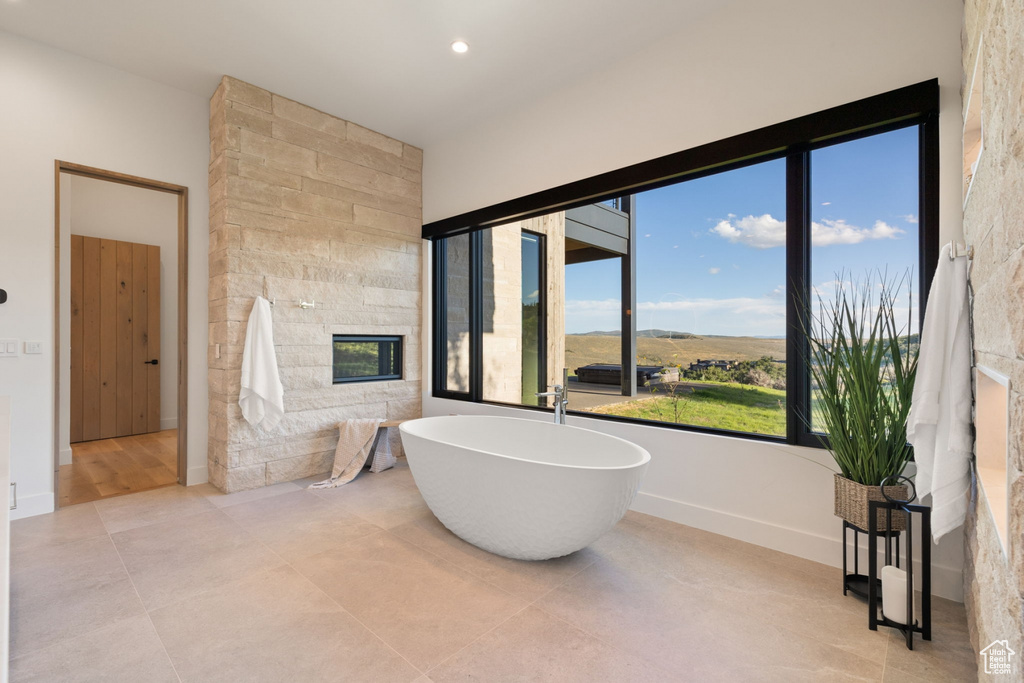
(385, 64)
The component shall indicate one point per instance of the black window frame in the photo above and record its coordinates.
(542, 308)
(794, 140)
(382, 375)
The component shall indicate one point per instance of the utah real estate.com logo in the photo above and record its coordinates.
(997, 657)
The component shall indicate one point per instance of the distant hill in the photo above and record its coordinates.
(605, 347)
(650, 334)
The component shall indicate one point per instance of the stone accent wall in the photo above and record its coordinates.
(994, 225)
(306, 206)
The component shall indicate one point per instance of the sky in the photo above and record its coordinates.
(711, 252)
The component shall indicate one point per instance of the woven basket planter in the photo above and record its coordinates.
(852, 503)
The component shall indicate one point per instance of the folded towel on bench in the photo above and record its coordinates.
(355, 442)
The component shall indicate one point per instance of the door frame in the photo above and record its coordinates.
(145, 183)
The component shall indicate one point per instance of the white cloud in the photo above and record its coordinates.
(910, 218)
(647, 235)
(760, 232)
(733, 306)
(827, 233)
(714, 271)
(826, 203)
(735, 316)
(766, 232)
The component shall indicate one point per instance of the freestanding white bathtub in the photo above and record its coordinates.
(523, 489)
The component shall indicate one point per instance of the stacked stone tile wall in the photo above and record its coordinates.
(306, 206)
(994, 225)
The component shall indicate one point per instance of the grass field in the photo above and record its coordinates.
(737, 407)
(583, 350)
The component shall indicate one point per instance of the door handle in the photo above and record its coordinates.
(155, 361)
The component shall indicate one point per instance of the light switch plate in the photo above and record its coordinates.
(8, 348)
(33, 347)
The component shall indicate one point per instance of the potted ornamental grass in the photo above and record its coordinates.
(862, 360)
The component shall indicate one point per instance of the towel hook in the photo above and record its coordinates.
(271, 301)
(956, 251)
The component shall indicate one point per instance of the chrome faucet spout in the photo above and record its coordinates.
(560, 394)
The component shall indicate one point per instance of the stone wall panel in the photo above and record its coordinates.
(306, 206)
(994, 225)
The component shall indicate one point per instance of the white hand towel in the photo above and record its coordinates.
(939, 425)
(262, 396)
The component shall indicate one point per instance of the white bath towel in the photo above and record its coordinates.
(939, 425)
(355, 441)
(262, 396)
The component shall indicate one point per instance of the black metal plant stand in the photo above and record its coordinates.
(856, 582)
(875, 616)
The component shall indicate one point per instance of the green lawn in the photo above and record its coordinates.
(736, 407)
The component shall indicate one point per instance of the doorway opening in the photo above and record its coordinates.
(120, 333)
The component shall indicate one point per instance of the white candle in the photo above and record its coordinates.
(894, 594)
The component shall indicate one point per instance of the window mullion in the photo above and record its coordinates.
(798, 268)
(440, 299)
(476, 316)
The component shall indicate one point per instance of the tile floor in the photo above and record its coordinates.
(361, 583)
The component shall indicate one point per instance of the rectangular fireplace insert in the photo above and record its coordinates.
(367, 358)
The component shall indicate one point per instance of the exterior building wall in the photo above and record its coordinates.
(503, 328)
(306, 206)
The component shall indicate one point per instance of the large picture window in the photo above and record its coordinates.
(678, 303)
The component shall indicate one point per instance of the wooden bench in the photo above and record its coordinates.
(376, 440)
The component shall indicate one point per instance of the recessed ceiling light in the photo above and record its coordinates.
(460, 46)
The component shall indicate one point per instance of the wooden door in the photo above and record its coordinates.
(115, 338)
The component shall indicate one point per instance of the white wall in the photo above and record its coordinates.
(750, 65)
(99, 208)
(59, 106)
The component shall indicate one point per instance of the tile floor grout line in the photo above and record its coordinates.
(501, 623)
(284, 563)
(564, 581)
(222, 586)
(354, 617)
(612, 645)
(71, 639)
(810, 636)
(163, 646)
(594, 635)
(85, 633)
(177, 517)
(885, 661)
(295, 569)
(488, 581)
(457, 567)
(658, 666)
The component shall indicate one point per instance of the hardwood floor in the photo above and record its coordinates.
(114, 467)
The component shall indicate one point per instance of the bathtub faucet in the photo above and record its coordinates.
(561, 394)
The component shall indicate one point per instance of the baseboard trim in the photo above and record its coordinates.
(168, 423)
(198, 475)
(65, 456)
(947, 582)
(30, 506)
